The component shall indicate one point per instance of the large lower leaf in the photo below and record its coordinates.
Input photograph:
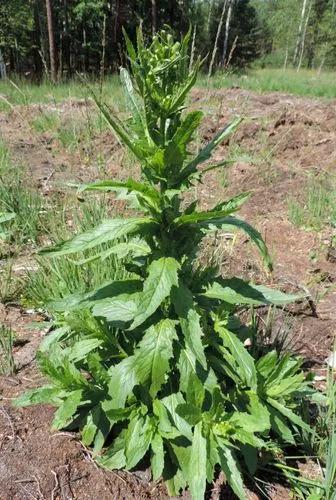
(67, 410)
(154, 353)
(237, 291)
(162, 276)
(123, 380)
(136, 248)
(229, 466)
(148, 365)
(89, 299)
(106, 231)
(197, 464)
(190, 322)
(137, 440)
(157, 456)
(119, 309)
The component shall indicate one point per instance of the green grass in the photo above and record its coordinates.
(45, 122)
(303, 83)
(58, 277)
(317, 206)
(22, 92)
(7, 366)
(16, 198)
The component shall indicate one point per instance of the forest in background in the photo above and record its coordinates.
(57, 38)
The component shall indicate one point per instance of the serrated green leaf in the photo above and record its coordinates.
(121, 250)
(132, 101)
(91, 425)
(114, 457)
(157, 456)
(280, 426)
(123, 380)
(106, 231)
(67, 410)
(190, 322)
(137, 439)
(46, 394)
(197, 465)
(266, 364)
(171, 402)
(162, 276)
(153, 354)
(229, 465)
(244, 362)
(286, 412)
(237, 291)
(120, 309)
(87, 300)
(195, 391)
(190, 413)
(210, 216)
(82, 348)
(120, 131)
(206, 151)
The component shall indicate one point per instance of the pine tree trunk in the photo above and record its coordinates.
(2, 66)
(286, 58)
(299, 37)
(209, 16)
(303, 41)
(66, 37)
(219, 28)
(52, 49)
(227, 29)
(102, 61)
(154, 16)
(37, 36)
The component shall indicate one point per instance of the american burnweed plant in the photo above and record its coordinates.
(155, 367)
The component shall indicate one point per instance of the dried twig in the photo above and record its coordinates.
(6, 415)
(57, 485)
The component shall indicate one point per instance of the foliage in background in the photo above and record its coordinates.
(154, 365)
(88, 34)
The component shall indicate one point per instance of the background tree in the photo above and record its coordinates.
(74, 36)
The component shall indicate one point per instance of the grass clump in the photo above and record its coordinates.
(317, 208)
(7, 366)
(57, 278)
(153, 366)
(304, 82)
(20, 206)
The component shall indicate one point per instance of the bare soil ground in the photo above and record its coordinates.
(282, 141)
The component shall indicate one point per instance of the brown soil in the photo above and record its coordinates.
(283, 139)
